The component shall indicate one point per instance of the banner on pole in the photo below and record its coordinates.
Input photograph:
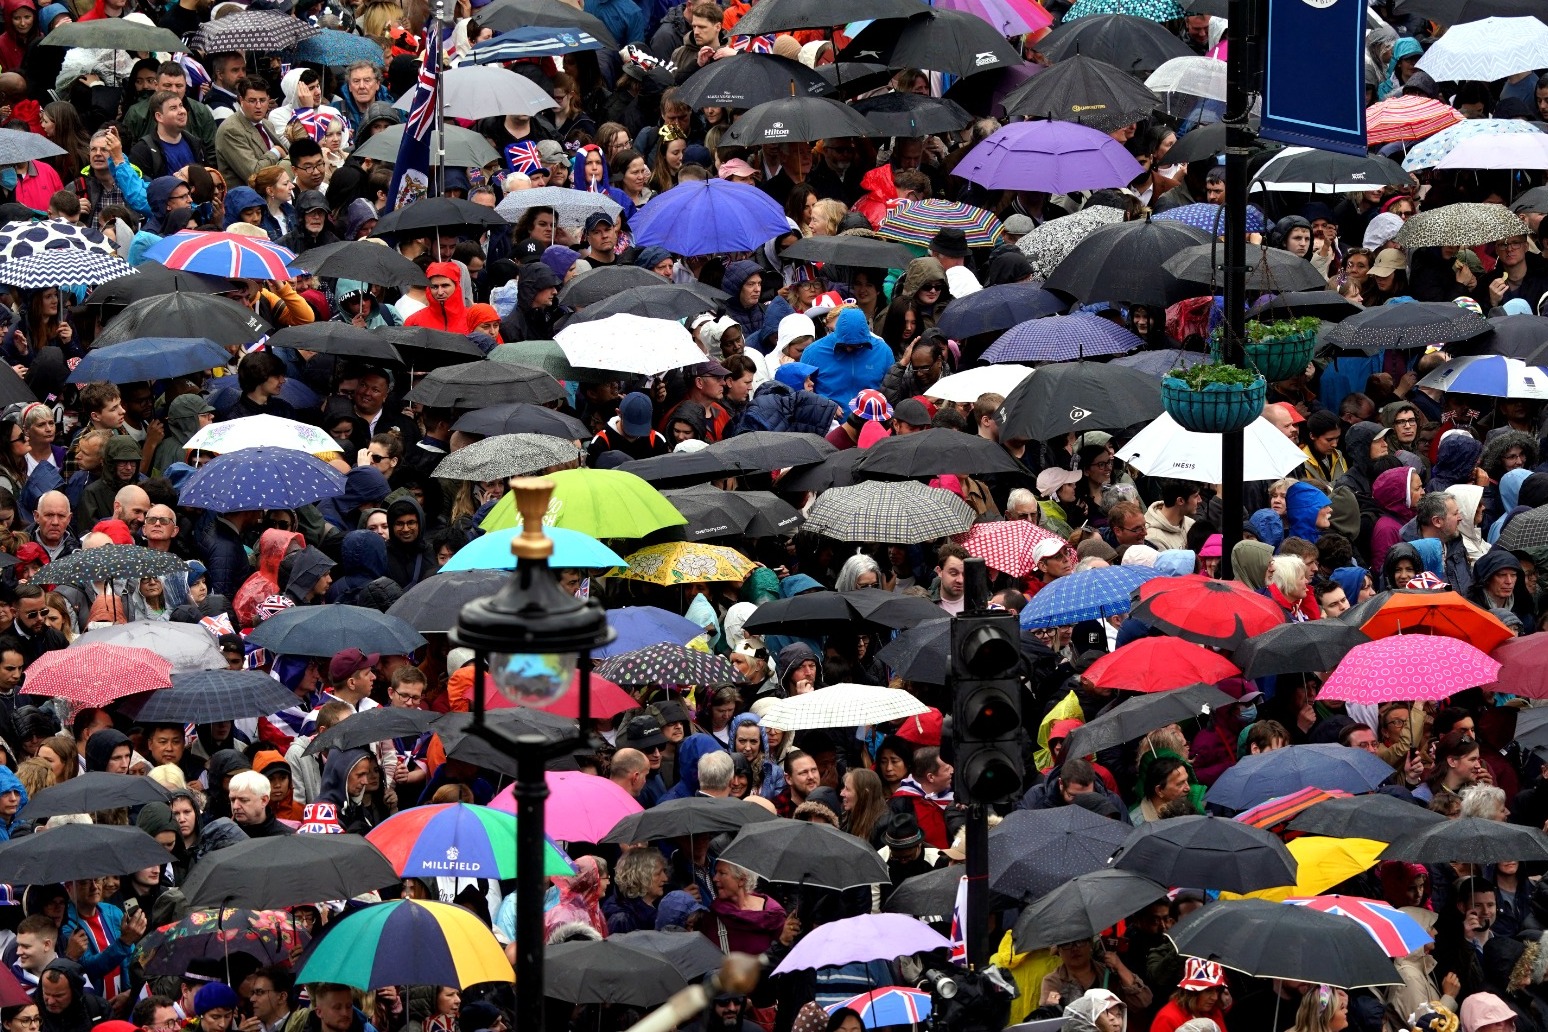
(1314, 74)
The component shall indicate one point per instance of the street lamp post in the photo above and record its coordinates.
(531, 640)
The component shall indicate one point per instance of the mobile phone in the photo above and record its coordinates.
(130, 906)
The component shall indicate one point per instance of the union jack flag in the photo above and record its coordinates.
(411, 172)
(753, 44)
(523, 157)
(313, 120)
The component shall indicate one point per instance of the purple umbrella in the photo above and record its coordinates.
(864, 938)
(1061, 338)
(1057, 157)
(714, 216)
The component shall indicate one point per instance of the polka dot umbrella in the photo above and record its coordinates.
(1406, 667)
(21, 239)
(261, 478)
(97, 674)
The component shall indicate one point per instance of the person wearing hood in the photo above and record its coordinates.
(917, 302)
(768, 777)
(409, 557)
(537, 309)
(1500, 585)
(444, 308)
(360, 217)
(21, 29)
(312, 226)
(364, 487)
(352, 787)
(306, 575)
(64, 1005)
(1365, 444)
(1470, 501)
(120, 468)
(1396, 493)
(303, 105)
(1307, 511)
(692, 749)
(743, 280)
(273, 546)
(1456, 461)
(13, 796)
(1098, 1010)
(362, 559)
(1406, 52)
(359, 306)
(1249, 563)
(240, 201)
(1401, 565)
(848, 360)
(186, 416)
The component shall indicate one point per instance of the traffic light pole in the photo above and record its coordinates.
(976, 935)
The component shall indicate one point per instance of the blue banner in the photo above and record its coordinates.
(1314, 74)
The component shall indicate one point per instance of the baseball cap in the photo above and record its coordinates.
(1046, 549)
(634, 414)
(871, 404)
(1051, 479)
(737, 167)
(527, 251)
(709, 367)
(1390, 260)
(911, 411)
(1291, 411)
(350, 662)
(1199, 975)
(642, 732)
(598, 218)
(551, 152)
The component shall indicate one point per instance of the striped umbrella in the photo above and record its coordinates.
(1394, 931)
(1492, 376)
(918, 221)
(1408, 118)
(888, 1005)
(457, 840)
(63, 267)
(1282, 808)
(409, 942)
(336, 49)
(223, 254)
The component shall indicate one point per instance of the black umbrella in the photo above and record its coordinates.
(802, 853)
(1272, 940)
(837, 470)
(207, 696)
(796, 119)
(852, 252)
(1085, 90)
(1142, 714)
(184, 315)
(1207, 853)
(471, 385)
(909, 114)
(921, 653)
(72, 852)
(1268, 268)
(118, 34)
(441, 214)
(600, 284)
(287, 871)
(1415, 325)
(663, 301)
(361, 260)
(1371, 816)
(337, 338)
(317, 631)
(606, 971)
(815, 612)
(1325, 171)
(1515, 336)
(693, 956)
(930, 897)
(152, 279)
(1468, 840)
(713, 513)
(522, 418)
(1532, 729)
(1033, 852)
(461, 744)
(1328, 305)
(1123, 263)
(996, 309)
(695, 815)
(92, 791)
(1134, 45)
(1198, 144)
(1297, 648)
(432, 605)
(682, 469)
(764, 451)
(942, 40)
(505, 15)
(929, 453)
(423, 348)
(852, 78)
(1455, 12)
(14, 390)
(1083, 907)
(780, 15)
(368, 727)
(1078, 396)
(747, 80)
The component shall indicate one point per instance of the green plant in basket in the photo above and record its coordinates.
(1284, 329)
(1202, 375)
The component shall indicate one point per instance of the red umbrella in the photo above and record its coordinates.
(1221, 614)
(607, 700)
(1007, 545)
(95, 675)
(1159, 665)
(1523, 667)
(11, 992)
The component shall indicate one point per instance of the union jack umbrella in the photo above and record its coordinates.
(888, 1005)
(97, 674)
(1007, 546)
(223, 254)
(1394, 931)
(918, 222)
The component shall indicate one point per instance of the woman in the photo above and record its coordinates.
(669, 158)
(865, 806)
(24, 1018)
(1324, 1008)
(894, 762)
(1387, 279)
(1202, 993)
(431, 1008)
(37, 422)
(536, 224)
(631, 175)
(580, 897)
(277, 189)
(718, 712)
(1457, 765)
(1084, 965)
(1417, 970)
(741, 919)
(842, 1020)
(62, 125)
(13, 460)
(570, 118)
(48, 324)
(273, 547)
(922, 295)
(612, 138)
(60, 754)
(1096, 1011)
(827, 215)
(638, 886)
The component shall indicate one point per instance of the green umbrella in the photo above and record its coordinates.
(605, 503)
(547, 356)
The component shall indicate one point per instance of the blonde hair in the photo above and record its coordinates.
(830, 212)
(35, 775)
(170, 777)
(376, 19)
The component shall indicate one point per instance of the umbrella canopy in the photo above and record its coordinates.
(1395, 932)
(1409, 117)
(1078, 396)
(991, 310)
(609, 972)
(90, 791)
(1165, 449)
(1505, 151)
(112, 562)
(223, 254)
(72, 852)
(1211, 218)
(1461, 225)
(746, 80)
(929, 897)
(263, 431)
(432, 605)
(1055, 157)
(1184, 81)
(1086, 595)
(713, 216)
(1281, 771)
(149, 358)
(336, 338)
(1136, 717)
(713, 513)
(941, 40)
(668, 663)
(62, 267)
(1520, 336)
(260, 478)
(1151, 10)
(1130, 44)
(851, 252)
(152, 279)
(1207, 852)
(1297, 648)
(1124, 263)
(504, 456)
(1491, 376)
(1008, 545)
(1523, 668)
(764, 451)
(304, 631)
(1433, 151)
(581, 807)
(270, 873)
(188, 647)
(336, 49)
(813, 611)
(604, 503)
(450, 947)
(1085, 90)
(184, 315)
(533, 41)
(1444, 613)
(1268, 268)
(1272, 940)
(379, 724)
(888, 1005)
(1033, 852)
(1159, 665)
(686, 562)
(484, 91)
(803, 853)
(796, 119)
(505, 15)
(837, 470)
(600, 284)
(265, 32)
(1048, 245)
(909, 114)
(1084, 907)
(1308, 170)
(518, 417)
(927, 453)
(212, 934)
(461, 744)
(1421, 324)
(456, 840)
(808, 14)
(656, 345)
(1220, 614)
(695, 815)
(96, 675)
(1365, 816)
(1409, 667)
(212, 695)
(638, 627)
(1062, 338)
(548, 356)
(917, 222)
(477, 384)
(1326, 305)
(1322, 863)
(969, 385)
(1470, 840)
(1528, 530)
(667, 301)
(1487, 49)
(570, 207)
(464, 147)
(888, 512)
(1274, 812)
(858, 939)
(842, 705)
(114, 34)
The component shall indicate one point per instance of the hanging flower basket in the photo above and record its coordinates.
(1278, 350)
(1213, 398)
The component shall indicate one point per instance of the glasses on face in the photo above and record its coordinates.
(1405, 421)
(932, 286)
(1102, 464)
(159, 521)
(1138, 528)
(1403, 213)
(412, 699)
(376, 458)
(28, 1021)
(1510, 245)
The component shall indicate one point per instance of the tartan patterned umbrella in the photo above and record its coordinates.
(336, 49)
(668, 663)
(1007, 546)
(1062, 338)
(1434, 150)
(1409, 666)
(917, 222)
(112, 562)
(843, 705)
(1461, 225)
(1282, 808)
(1047, 245)
(887, 512)
(1409, 117)
(1211, 218)
(686, 562)
(266, 32)
(212, 695)
(97, 674)
(261, 478)
(1150, 10)
(223, 254)
(1087, 595)
(21, 239)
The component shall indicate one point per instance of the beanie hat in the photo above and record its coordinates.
(214, 995)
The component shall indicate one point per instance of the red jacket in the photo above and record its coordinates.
(452, 316)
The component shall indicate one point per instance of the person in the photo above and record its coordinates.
(926, 794)
(640, 882)
(1202, 993)
(444, 308)
(1324, 1008)
(1097, 1010)
(65, 1005)
(248, 794)
(103, 933)
(243, 142)
(580, 898)
(1082, 967)
(1169, 518)
(743, 919)
(269, 995)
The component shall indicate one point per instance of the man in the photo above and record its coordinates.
(701, 405)
(1214, 186)
(36, 940)
(909, 416)
(362, 88)
(443, 309)
(109, 179)
(409, 556)
(215, 1006)
(802, 776)
(249, 795)
(1463, 931)
(601, 238)
(1331, 599)
(1076, 776)
(702, 39)
(837, 176)
(243, 143)
(269, 995)
(1438, 516)
(167, 148)
(306, 771)
(226, 73)
(1052, 559)
(64, 1004)
(949, 247)
(643, 734)
(170, 78)
(1126, 525)
(927, 795)
(351, 674)
(156, 1014)
(131, 505)
(1196, 33)
(1404, 419)
(159, 527)
(103, 932)
(629, 771)
(950, 585)
(715, 770)
(166, 744)
(1168, 519)
(629, 431)
(260, 378)
(1358, 736)
(31, 633)
(371, 394)
(51, 525)
(229, 564)
(307, 164)
(120, 469)
(332, 1010)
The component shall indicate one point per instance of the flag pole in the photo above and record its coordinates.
(440, 106)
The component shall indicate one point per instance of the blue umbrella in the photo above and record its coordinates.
(996, 309)
(336, 49)
(1255, 779)
(323, 630)
(252, 479)
(1062, 338)
(301, 397)
(492, 551)
(1211, 218)
(639, 626)
(714, 216)
(149, 358)
(1088, 595)
(534, 41)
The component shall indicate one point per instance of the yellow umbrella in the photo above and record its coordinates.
(1321, 863)
(686, 562)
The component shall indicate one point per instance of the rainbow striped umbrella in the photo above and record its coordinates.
(1281, 808)
(1394, 931)
(456, 840)
(408, 942)
(918, 221)
(223, 254)
(888, 1005)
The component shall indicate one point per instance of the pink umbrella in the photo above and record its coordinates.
(1407, 667)
(95, 675)
(1007, 545)
(581, 807)
(1011, 17)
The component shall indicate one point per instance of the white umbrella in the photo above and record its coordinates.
(843, 705)
(629, 344)
(1487, 49)
(1165, 449)
(570, 207)
(1518, 150)
(1190, 78)
(262, 431)
(188, 647)
(483, 91)
(968, 386)
(1491, 376)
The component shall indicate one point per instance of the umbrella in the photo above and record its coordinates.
(606, 700)
(485, 91)
(1056, 157)
(777, 15)
(1277, 811)
(969, 385)
(378, 724)
(456, 840)
(533, 41)
(454, 732)
(260, 478)
(114, 34)
(713, 513)
(464, 148)
(1409, 667)
(1297, 648)
(1136, 717)
(931, 897)
(1049, 244)
(887, 1005)
(746, 80)
(152, 279)
(1086, 595)
(270, 873)
(266, 32)
(522, 418)
(812, 612)
(113, 562)
(1130, 44)
(1159, 665)
(941, 40)
(97, 675)
(795, 119)
(1268, 268)
(1307, 170)
(803, 853)
(336, 49)
(764, 451)
(223, 254)
(600, 284)
(917, 222)
(668, 663)
(1528, 530)
(1471, 840)
(30, 239)
(1151, 10)
(1062, 338)
(931, 452)
(695, 815)
(667, 301)
(1078, 396)
(1271, 940)
(713, 216)
(1437, 612)
(1519, 336)
(601, 502)
(450, 947)
(72, 852)
(1252, 779)
(1492, 376)
(1394, 931)
(548, 356)
(184, 315)
(990, 310)
(304, 631)
(1487, 49)
(638, 627)
(262, 431)
(842, 705)
(656, 345)
(1085, 90)
(1207, 852)
(1011, 17)
(505, 456)
(855, 252)
(149, 358)
(336, 338)
(1165, 449)
(581, 807)
(190, 648)
(481, 383)
(1326, 305)
(858, 939)
(1322, 863)
(1123, 263)
(1406, 118)
(361, 260)
(90, 791)
(1083, 907)
(17, 146)
(837, 470)
(888, 512)
(211, 935)
(1211, 218)
(212, 695)
(1461, 225)
(1415, 325)
(1184, 81)
(909, 114)
(1455, 12)
(62, 267)
(1033, 852)
(1365, 816)
(610, 972)
(571, 549)
(1008, 545)
(685, 562)
(505, 15)
(1522, 668)
(1221, 614)
(432, 605)
(570, 207)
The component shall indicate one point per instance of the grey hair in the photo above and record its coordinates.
(715, 771)
(748, 879)
(853, 567)
(1286, 571)
(1482, 801)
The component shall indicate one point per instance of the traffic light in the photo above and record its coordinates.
(986, 710)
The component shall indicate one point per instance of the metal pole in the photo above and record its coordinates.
(531, 793)
(440, 106)
(979, 948)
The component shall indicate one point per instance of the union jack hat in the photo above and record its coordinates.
(1199, 975)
